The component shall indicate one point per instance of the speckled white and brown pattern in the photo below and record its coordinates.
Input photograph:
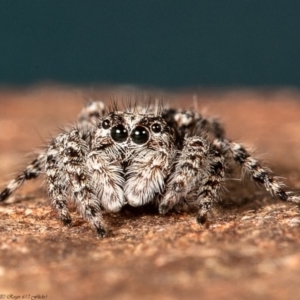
(167, 157)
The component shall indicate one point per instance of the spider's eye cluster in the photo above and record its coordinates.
(139, 135)
(119, 133)
(156, 128)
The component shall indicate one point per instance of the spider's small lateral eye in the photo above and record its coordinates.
(119, 133)
(139, 135)
(106, 124)
(156, 128)
(71, 152)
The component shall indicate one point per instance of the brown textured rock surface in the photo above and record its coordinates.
(250, 251)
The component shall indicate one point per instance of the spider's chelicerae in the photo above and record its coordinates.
(167, 157)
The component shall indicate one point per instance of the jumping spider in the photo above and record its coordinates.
(138, 156)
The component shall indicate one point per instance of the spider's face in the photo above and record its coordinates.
(133, 130)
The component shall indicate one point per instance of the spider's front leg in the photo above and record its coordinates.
(197, 178)
(211, 187)
(56, 182)
(66, 170)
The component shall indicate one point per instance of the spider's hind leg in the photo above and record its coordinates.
(257, 172)
(194, 123)
(31, 171)
(91, 112)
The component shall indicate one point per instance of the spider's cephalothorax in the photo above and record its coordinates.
(168, 157)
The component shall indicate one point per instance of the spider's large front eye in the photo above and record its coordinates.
(106, 124)
(119, 133)
(139, 135)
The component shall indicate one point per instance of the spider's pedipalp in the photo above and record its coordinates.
(107, 180)
(104, 161)
(146, 177)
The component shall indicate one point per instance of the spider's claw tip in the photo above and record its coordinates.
(4, 194)
(101, 232)
(294, 199)
(67, 222)
(163, 209)
(202, 219)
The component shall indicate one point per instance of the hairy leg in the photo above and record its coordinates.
(56, 183)
(66, 171)
(211, 188)
(257, 172)
(193, 123)
(197, 178)
(89, 116)
(31, 171)
(80, 180)
(91, 112)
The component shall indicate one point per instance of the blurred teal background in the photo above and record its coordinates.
(152, 43)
